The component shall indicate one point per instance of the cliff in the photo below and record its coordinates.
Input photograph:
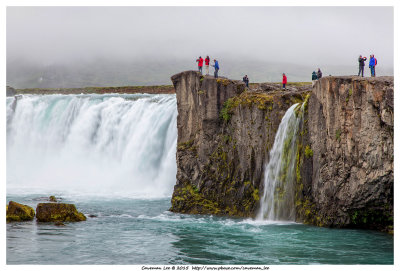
(344, 165)
(348, 130)
(224, 137)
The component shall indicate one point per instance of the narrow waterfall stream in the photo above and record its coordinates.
(277, 202)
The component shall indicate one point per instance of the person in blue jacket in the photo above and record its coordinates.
(372, 65)
(216, 67)
(314, 77)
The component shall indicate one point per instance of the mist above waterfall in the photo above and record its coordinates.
(115, 46)
(121, 145)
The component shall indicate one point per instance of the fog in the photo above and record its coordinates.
(172, 38)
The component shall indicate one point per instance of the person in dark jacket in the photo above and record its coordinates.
(284, 80)
(246, 80)
(314, 77)
(361, 65)
(319, 73)
(216, 67)
(200, 64)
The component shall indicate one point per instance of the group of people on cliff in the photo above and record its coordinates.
(206, 61)
(372, 63)
(316, 76)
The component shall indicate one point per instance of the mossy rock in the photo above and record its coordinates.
(52, 199)
(19, 212)
(53, 212)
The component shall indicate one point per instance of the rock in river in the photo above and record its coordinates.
(52, 212)
(19, 212)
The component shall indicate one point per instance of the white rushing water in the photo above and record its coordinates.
(111, 145)
(277, 202)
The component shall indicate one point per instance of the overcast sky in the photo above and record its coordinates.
(305, 35)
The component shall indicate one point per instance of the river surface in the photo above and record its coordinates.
(143, 231)
(113, 156)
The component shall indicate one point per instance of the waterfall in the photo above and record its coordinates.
(121, 145)
(277, 202)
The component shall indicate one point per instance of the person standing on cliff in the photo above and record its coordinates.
(284, 80)
(200, 64)
(246, 80)
(216, 67)
(319, 74)
(314, 77)
(372, 65)
(361, 65)
(376, 63)
(207, 62)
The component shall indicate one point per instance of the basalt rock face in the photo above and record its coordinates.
(344, 161)
(346, 178)
(225, 133)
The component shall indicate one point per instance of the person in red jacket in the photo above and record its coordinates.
(207, 62)
(200, 61)
(284, 81)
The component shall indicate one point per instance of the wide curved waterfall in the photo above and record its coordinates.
(277, 202)
(121, 145)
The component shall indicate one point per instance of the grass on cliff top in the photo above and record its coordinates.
(297, 84)
(245, 98)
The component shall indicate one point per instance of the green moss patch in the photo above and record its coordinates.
(308, 152)
(187, 146)
(374, 217)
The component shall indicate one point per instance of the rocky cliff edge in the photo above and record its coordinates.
(225, 132)
(346, 180)
(344, 164)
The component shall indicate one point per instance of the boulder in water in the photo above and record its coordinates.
(19, 212)
(52, 199)
(52, 212)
